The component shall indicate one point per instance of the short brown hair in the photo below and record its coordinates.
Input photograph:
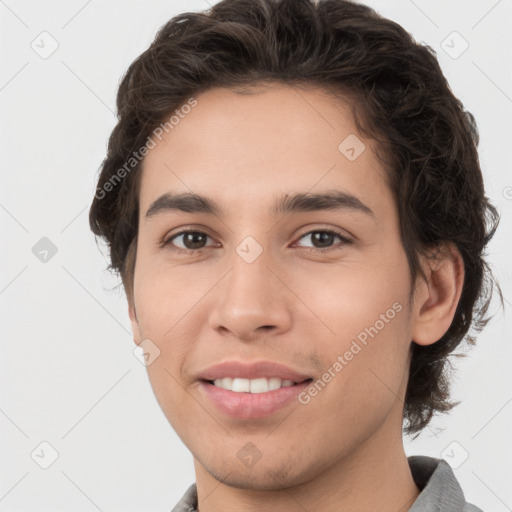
(427, 141)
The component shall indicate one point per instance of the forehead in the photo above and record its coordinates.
(248, 148)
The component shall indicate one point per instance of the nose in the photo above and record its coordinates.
(252, 301)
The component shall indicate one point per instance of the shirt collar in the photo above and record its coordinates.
(438, 485)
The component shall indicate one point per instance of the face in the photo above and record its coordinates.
(322, 291)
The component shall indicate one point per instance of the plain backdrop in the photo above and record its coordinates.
(69, 378)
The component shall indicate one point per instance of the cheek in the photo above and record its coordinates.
(355, 298)
(363, 335)
(164, 300)
(165, 294)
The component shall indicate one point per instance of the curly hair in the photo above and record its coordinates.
(426, 140)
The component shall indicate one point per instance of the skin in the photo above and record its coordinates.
(343, 450)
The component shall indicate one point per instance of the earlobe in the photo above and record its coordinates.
(436, 306)
(137, 338)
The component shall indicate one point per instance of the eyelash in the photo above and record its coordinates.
(168, 241)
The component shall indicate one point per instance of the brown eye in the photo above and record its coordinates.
(323, 239)
(191, 240)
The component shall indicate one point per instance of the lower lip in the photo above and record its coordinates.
(251, 405)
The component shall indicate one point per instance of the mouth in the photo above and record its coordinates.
(251, 389)
(251, 399)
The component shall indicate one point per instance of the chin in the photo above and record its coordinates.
(269, 475)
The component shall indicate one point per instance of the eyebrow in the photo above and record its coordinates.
(335, 200)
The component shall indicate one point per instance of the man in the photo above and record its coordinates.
(293, 199)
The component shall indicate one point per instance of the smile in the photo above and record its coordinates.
(248, 404)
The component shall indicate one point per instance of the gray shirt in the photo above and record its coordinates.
(439, 489)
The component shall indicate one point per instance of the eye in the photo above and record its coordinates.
(324, 238)
(194, 241)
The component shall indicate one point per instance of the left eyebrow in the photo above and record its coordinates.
(302, 202)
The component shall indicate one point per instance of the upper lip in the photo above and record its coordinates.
(252, 370)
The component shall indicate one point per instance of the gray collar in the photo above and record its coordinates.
(439, 488)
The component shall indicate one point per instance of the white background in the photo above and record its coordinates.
(68, 375)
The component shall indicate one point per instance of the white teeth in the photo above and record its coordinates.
(274, 383)
(241, 385)
(227, 383)
(259, 385)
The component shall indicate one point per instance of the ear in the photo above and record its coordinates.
(137, 338)
(437, 298)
